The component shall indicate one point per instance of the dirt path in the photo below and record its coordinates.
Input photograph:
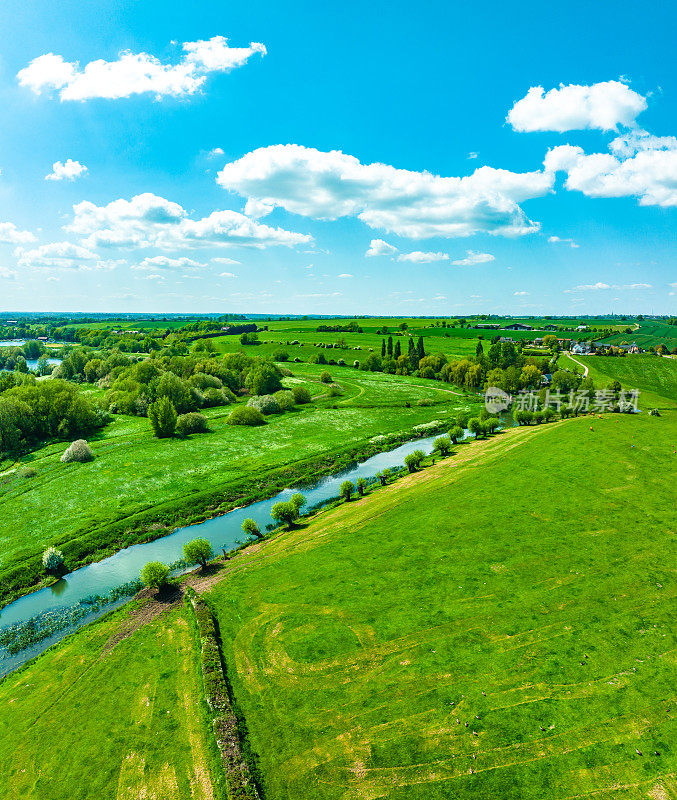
(580, 364)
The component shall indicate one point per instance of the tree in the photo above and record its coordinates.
(347, 489)
(199, 551)
(390, 346)
(479, 350)
(162, 416)
(455, 433)
(397, 351)
(420, 350)
(52, 560)
(325, 377)
(413, 460)
(383, 348)
(251, 528)
(284, 512)
(301, 395)
(155, 574)
(443, 445)
(360, 485)
(298, 500)
(263, 379)
(475, 426)
(382, 477)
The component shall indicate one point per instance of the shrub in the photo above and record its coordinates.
(78, 451)
(216, 397)
(325, 377)
(347, 489)
(360, 485)
(263, 379)
(251, 528)
(191, 423)
(424, 401)
(298, 500)
(162, 416)
(335, 391)
(301, 395)
(285, 399)
(52, 560)
(246, 415)
(284, 512)
(265, 403)
(281, 355)
(413, 460)
(28, 472)
(443, 445)
(199, 551)
(155, 575)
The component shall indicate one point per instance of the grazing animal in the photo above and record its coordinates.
(541, 727)
(466, 724)
(639, 752)
(474, 733)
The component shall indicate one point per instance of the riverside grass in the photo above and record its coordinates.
(522, 588)
(139, 487)
(86, 720)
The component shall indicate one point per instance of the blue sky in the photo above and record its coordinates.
(191, 173)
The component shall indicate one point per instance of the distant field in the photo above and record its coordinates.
(75, 505)
(499, 626)
(655, 377)
(650, 334)
(86, 721)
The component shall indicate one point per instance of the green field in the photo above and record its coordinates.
(650, 333)
(91, 720)
(523, 586)
(136, 478)
(655, 377)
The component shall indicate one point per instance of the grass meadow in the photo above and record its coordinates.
(499, 625)
(135, 474)
(90, 720)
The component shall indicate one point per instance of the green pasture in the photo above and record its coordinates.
(91, 720)
(650, 333)
(499, 625)
(89, 507)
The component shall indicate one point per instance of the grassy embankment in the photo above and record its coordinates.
(91, 720)
(522, 587)
(139, 487)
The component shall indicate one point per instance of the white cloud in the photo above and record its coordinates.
(135, 73)
(472, 258)
(634, 286)
(65, 255)
(674, 285)
(223, 260)
(151, 221)
(589, 287)
(216, 151)
(8, 274)
(227, 275)
(420, 257)
(557, 239)
(10, 234)
(418, 205)
(256, 209)
(377, 247)
(346, 275)
(68, 171)
(521, 294)
(643, 166)
(603, 106)
(472, 154)
(165, 262)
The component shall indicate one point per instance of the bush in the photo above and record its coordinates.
(281, 355)
(199, 551)
(335, 391)
(285, 399)
(346, 490)
(443, 445)
(251, 528)
(265, 403)
(191, 423)
(78, 451)
(284, 512)
(155, 575)
(52, 560)
(28, 472)
(216, 397)
(413, 460)
(301, 395)
(162, 416)
(424, 401)
(263, 379)
(246, 415)
(325, 377)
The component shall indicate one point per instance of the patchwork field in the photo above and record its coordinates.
(76, 506)
(95, 719)
(493, 627)
(649, 333)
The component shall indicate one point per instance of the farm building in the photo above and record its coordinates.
(517, 326)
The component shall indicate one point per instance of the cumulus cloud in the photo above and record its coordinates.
(151, 221)
(8, 274)
(68, 171)
(472, 258)
(227, 275)
(604, 106)
(639, 165)
(10, 234)
(418, 205)
(256, 209)
(377, 247)
(65, 255)
(589, 287)
(223, 260)
(521, 294)
(135, 73)
(165, 262)
(346, 275)
(558, 240)
(420, 257)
